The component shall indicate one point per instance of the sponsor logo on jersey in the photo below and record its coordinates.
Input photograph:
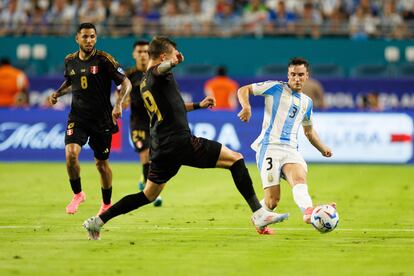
(120, 70)
(94, 69)
(296, 101)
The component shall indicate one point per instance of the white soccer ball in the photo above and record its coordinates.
(324, 218)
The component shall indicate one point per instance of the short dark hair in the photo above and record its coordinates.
(299, 61)
(5, 61)
(140, 43)
(159, 45)
(86, 25)
(221, 70)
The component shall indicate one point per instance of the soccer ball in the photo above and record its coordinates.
(324, 218)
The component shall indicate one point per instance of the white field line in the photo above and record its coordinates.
(213, 228)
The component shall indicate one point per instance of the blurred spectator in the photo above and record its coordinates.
(172, 20)
(281, 20)
(120, 21)
(223, 89)
(196, 22)
(255, 17)
(390, 19)
(12, 19)
(14, 85)
(226, 21)
(92, 11)
(311, 21)
(147, 18)
(363, 24)
(314, 89)
(37, 22)
(60, 18)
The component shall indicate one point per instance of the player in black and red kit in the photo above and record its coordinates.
(88, 75)
(139, 120)
(172, 144)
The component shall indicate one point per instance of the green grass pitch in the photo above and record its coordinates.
(204, 225)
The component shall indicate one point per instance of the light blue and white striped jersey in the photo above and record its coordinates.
(284, 111)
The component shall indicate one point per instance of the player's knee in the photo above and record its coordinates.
(299, 179)
(71, 158)
(102, 166)
(236, 156)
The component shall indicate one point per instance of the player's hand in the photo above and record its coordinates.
(178, 58)
(53, 98)
(116, 113)
(208, 102)
(327, 152)
(245, 114)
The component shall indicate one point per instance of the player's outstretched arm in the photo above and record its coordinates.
(167, 65)
(64, 89)
(123, 93)
(313, 138)
(207, 102)
(243, 96)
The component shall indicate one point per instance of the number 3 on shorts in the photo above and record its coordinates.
(269, 162)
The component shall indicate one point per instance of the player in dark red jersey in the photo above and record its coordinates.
(172, 144)
(88, 75)
(139, 119)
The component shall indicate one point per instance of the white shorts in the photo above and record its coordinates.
(272, 158)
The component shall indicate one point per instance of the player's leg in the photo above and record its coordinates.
(235, 163)
(144, 158)
(101, 146)
(295, 175)
(271, 197)
(75, 138)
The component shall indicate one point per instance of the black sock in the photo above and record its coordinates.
(145, 169)
(125, 205)
(244, 184)
(106, 195)
(76, 185)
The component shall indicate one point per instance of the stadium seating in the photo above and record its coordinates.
(370, 71)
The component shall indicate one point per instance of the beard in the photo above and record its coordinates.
(86, 51)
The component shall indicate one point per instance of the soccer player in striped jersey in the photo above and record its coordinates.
(286, 108)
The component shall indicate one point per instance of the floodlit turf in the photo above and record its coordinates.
(204, 226)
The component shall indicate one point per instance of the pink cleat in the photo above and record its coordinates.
(74, 204)
(104, 207)
(307, 215)
(265, 231)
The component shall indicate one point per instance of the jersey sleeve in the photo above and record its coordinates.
(116, 72)
(307, 118)
(267, 88)
(66, 73)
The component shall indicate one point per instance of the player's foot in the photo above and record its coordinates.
(333, 204)
(157, 202)
(74, 204)
(104, 207)
(265, 231)
(93, 225)
(141, 186)
(261, 218)
(307, 215)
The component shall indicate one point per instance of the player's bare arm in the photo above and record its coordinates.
(207, 102)
(123, 93)
(166, 65)
(243, 96)
(313, 138)
(62, 90)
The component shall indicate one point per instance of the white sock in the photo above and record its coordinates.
(301, 196)
(263, 203)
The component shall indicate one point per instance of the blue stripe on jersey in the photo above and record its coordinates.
(265, 141)
(309, 111)
(272, 90)
(293, 110)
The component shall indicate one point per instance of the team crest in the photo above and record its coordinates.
(296, 101)
(94, 69)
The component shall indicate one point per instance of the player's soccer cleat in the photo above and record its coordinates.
(261, 218)
(158, 201)
(74, 204)
(307, 215)
(93, 225)
(104, 207)
(265, 231)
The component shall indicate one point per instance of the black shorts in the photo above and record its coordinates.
(100, 142)
(140, 139)
(189, 151)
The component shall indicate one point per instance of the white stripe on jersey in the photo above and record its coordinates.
(284, 111)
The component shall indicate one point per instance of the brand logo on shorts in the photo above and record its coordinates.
(71, 125)
(106, 150)
(139, 144)
(94, 69)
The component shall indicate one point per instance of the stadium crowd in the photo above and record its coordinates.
(358, 19)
